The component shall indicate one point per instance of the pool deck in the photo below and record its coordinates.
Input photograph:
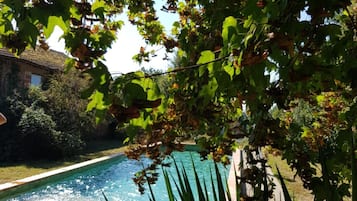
(42, 176)
(237, 165)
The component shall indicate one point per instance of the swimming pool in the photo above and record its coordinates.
(114, 178)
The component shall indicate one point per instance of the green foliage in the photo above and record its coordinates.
(12, 107)
(354, 169)
(184, 187)
(53, 123)
(168, 185)
(314, 140)
(65, 105)
(164, 82)
(40, 134)
(40, 139)
(235, 56)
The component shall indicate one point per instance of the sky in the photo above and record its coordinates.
(119, 57)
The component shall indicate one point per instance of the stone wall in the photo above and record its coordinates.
(15, 74)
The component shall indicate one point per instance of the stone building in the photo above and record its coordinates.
(30, 68)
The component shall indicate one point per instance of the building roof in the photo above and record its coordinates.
(44, 58)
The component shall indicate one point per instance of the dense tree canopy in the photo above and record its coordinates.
(49, 122)
(281, 57)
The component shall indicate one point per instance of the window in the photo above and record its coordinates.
(36, 80)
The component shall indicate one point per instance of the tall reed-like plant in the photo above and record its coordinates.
(184, 187)
(283, 186)
(353, 168)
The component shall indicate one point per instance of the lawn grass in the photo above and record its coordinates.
(295, 185)
(13, 171)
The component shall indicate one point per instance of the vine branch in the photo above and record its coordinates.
(179, 69)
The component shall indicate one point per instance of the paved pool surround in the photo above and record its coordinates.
(237, 164)
(21, 185)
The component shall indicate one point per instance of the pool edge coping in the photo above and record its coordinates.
(38, 177)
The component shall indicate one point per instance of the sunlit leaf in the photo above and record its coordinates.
(229, 29)
(247, 38)
(248, 21)
(98, 4)
(54, 21)
(320, 99)
(142, 121)
(230, 70)
(206, 56)
(96, 101)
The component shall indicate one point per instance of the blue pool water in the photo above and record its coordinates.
(115, 180)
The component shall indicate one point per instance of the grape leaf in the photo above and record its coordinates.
(206, 56)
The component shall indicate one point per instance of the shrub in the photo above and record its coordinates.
(40, 138)
(66, 106)
(12, 107)
(38, 133)
(47, 123)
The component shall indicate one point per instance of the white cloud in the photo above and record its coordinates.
(54, 41)
(119, 57)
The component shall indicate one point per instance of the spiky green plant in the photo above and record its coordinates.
(105, 197)
(353, 169)
(237, 186)
(283, 186)
(168, 186)
(184, 187)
